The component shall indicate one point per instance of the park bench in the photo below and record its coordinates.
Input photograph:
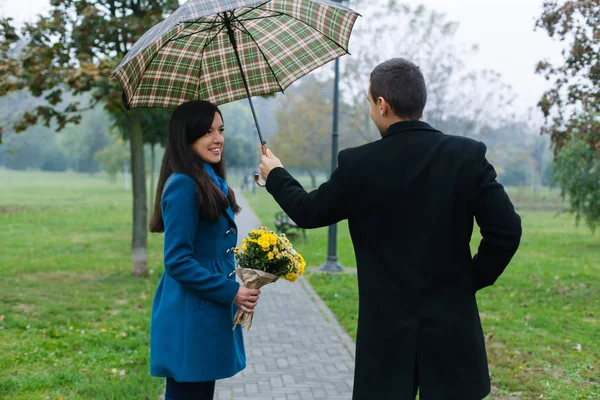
(285, 225)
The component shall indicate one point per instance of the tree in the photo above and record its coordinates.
(460, 101)
(514, 163)
(30, 151)
(240, 151)
(577, 170)
(154, 123)
(55, 159)
(81, 142)
(572, 105)
(113, 157)
(542, 156)
(304, 137)
(75, 48)
(238, 120)
(522, 156)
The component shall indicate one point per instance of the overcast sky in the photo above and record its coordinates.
(503, 29)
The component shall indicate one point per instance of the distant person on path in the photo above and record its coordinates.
(410, 200)
(192, 343)
(246, 184)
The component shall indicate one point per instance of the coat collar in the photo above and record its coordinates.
(408, 126)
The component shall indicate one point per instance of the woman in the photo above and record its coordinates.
(192, 343)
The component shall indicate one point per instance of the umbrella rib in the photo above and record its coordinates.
(213, 38)
(190, 34)
(250, 9)
(198, 22)
(274, 14)
(213, 24)
(207, 43)
(207, 40)
(257, 18)
(261, 52)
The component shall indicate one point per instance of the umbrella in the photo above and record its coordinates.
(225, 50)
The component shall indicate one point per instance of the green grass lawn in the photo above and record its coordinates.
(541, 319)
(74, 322)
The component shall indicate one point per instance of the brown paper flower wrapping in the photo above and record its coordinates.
(252, 279)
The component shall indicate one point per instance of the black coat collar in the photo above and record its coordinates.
(406, 126)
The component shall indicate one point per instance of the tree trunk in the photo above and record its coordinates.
(126, 181)
(313, 179)
(152, 166)
(140, 233)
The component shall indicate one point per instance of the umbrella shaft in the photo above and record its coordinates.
(239, 61)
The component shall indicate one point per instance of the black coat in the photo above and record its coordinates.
(410, 199)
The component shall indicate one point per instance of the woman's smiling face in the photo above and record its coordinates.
(210, 146)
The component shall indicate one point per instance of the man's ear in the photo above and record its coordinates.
(383, 106)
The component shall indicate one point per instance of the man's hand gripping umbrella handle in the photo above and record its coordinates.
(256, 174)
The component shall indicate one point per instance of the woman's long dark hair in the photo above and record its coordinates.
(189, 122)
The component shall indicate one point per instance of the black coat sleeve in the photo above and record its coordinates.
(499, 223)
(327, 205)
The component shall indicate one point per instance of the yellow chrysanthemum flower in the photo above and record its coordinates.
(264, 243)
(265, 250)
(292, 277)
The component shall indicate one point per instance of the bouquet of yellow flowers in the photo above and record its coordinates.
(263, 258)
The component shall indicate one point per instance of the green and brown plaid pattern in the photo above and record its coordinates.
(189, 55)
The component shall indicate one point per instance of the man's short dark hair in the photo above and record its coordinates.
(401, 84)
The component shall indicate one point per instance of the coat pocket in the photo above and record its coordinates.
(195, 303)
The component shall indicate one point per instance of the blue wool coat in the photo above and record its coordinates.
(191, 336)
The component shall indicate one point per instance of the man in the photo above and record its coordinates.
(410, 199)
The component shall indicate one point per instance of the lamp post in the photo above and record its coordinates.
(332, 265)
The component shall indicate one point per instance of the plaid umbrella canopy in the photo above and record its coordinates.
(225, 50)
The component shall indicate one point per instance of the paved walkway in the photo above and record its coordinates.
(295, 349)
